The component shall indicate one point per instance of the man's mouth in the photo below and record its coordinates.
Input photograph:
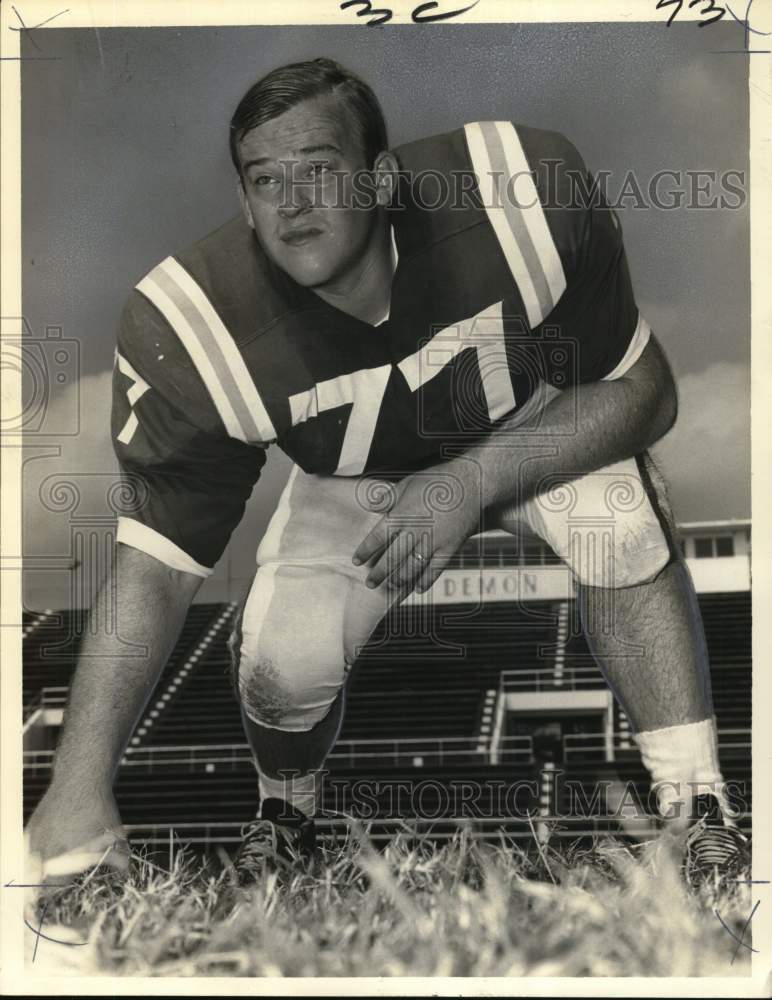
(300, 236)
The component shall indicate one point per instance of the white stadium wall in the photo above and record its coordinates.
(550, 583)
(56, 583)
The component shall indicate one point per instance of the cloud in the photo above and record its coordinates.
(85, 463)
(706, 456)
(67, 505)
(65, 495)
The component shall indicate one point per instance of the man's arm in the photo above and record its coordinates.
(583, 429)
(191, 479)
(107, 697)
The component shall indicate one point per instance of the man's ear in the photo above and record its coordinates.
(244, 203)
(386, 171)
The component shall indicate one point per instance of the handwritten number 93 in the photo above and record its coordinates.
(708, 7)
(421, 13)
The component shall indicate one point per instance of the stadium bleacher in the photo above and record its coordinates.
(416, 718)
(51, 642)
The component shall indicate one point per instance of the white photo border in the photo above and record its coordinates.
(14, 979)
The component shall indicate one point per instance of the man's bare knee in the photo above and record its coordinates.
(265, 698)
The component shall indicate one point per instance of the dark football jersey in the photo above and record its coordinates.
(508, 277)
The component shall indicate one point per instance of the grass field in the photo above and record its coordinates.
(464, 908)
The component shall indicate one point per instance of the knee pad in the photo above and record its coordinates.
(612, 528)
(289, 661)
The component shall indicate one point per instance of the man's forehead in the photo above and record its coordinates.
(320, 122)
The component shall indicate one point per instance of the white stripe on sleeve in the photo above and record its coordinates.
(639, 341)
(184, 330)
(140, 536)
(242, 380)
(532, 211)
(489, 193)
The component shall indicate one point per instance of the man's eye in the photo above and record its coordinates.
(263, 179)
(319, 168)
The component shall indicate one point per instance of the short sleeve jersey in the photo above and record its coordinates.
(511, 275)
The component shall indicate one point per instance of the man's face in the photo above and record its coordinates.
(297, 173)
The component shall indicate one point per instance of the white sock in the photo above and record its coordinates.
(304, 793)
(683, 761)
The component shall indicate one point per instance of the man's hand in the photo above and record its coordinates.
(77, 820)
(427, 517)
(72, 831)
(431, 513)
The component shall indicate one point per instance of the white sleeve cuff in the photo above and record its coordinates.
(139, 536)
(634, 351)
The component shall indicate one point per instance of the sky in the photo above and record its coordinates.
(125, 160)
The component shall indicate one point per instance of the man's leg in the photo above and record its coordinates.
(305, 619)
(289, 672)
(664, 687)
(302, 752)
(290, 766)
(649, 642)
(641, 618)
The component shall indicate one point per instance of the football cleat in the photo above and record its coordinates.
(281, 839)
(715, 849)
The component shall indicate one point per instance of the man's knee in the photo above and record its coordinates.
(636, 542)
(617, 560)
(300, 628)
(286, 686)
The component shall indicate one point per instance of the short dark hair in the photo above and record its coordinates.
(287, 86)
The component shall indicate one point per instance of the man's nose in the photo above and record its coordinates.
(296, 200)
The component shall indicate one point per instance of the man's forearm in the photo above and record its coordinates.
(109, 692)
(581, 430)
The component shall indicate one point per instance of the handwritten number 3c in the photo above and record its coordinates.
(420, 15)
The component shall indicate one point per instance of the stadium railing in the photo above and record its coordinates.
(581, 743)
(415, 752)
(52, 697)
(352, 752)
(545, 678)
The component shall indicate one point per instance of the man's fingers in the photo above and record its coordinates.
(390, 559)
(404, 562)
(399, 564)
(372, 545)
(431, 574)
(405, 575)
(379, 497)
(109, 848)
(47, 879)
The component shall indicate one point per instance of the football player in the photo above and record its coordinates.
(442, 337)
